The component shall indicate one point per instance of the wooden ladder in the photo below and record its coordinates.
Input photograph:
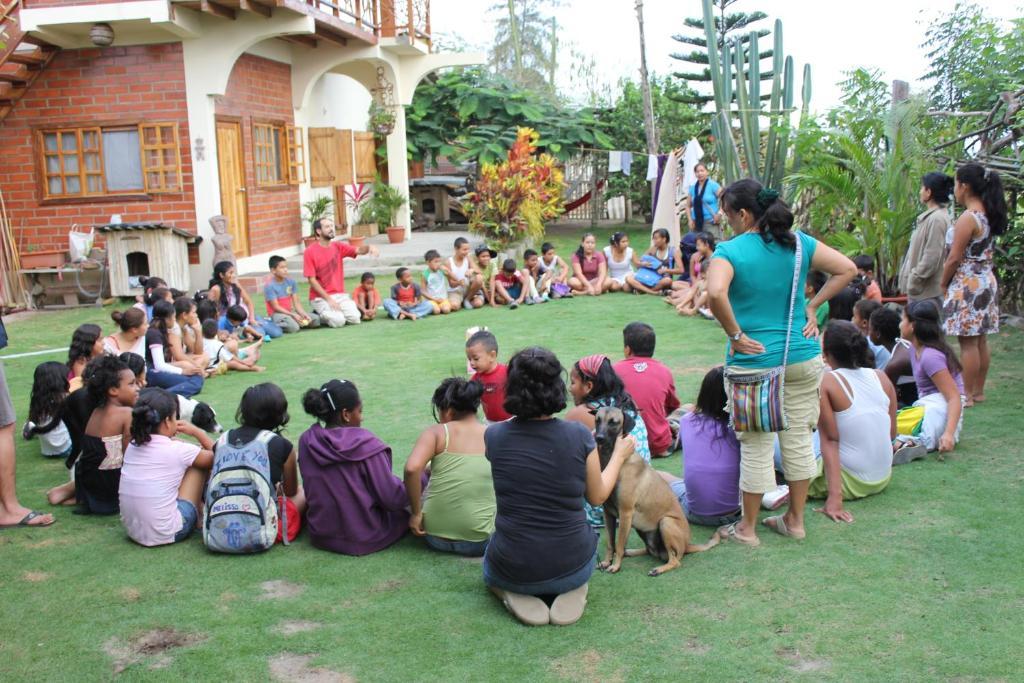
(22, 58)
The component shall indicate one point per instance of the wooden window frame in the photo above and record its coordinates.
(85, 171)
(295, 149)
(161, 169)
(264, 153)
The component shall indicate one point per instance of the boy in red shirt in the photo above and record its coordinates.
(650, 384)
(482, 353)
(406, 299)
(509, 286)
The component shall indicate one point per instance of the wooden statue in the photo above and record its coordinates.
(221, 240)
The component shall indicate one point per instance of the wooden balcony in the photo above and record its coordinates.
(406, 23)
(341, 20)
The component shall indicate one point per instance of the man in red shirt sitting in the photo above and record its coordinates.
(650, 384)
(322, 266)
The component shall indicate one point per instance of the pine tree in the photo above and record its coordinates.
(728, 26)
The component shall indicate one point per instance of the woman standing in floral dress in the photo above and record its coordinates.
(971, 305)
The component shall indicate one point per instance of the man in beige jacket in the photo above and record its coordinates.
(921, 272)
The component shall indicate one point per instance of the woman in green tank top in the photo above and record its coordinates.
(457, 513)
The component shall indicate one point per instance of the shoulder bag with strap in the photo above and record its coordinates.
(756, 400)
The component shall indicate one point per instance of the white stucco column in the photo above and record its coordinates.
(398, 167)
(208, 61)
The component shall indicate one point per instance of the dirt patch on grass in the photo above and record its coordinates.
(290, 628)
(584, 666)
(387, 586)
(154, 645)
(693, 646)
(281, 590)
(800, 664)
(47, 543)
(36, 577)
(295, 668)
(130, 594)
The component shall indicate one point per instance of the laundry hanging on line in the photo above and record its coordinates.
(619, 161)
(652, 167)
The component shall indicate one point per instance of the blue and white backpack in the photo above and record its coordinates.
(241, 508)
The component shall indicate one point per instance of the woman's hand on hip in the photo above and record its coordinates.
(745, 346)
(811, 328)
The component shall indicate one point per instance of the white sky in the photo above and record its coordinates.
(832, 35)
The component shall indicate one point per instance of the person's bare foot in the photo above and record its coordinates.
(25, 517)
(785, 525)
(258, 368)
(411, 316)
(61, 495)
(739, 533)
(979, 398)
(969, 403)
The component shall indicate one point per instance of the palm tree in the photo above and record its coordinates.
(861, 197)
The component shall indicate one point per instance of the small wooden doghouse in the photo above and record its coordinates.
(141, 249)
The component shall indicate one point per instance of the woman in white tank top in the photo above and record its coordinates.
(619, 269)
(857, 422)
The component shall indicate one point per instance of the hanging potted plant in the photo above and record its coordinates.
(382, 119)
(316, 208)
(382, 206)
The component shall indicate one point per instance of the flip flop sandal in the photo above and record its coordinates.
(728, 533)
(568, 607)
(780, 527)
(909, 452)
(26, 521)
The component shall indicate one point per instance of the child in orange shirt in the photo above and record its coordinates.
(367, 297)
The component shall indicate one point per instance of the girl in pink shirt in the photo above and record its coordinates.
(162, 478)
(589, 268)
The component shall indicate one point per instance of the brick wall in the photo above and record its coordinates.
(85, 87)
(259, 90)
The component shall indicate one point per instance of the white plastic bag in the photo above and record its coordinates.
(80, 244)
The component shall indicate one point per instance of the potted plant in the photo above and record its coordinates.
(514, 198)
(41, 258)
(381, 119)
(382, 207)
(316, 208)
(356, 195)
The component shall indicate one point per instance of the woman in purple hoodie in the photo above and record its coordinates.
(356, 505)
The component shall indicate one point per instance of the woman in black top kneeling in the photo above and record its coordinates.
(541, 556)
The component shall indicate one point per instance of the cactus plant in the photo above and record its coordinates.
(736, 75)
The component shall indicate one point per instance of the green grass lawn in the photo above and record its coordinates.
(926, 584)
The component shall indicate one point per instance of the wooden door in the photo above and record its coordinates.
(231, 168)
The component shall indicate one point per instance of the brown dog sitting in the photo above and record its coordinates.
(641, 500)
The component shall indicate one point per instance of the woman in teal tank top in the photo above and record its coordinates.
(750, 283)
(457, 512)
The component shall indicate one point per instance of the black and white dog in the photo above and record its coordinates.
(200, 414)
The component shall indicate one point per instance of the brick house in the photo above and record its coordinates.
(238, 107)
